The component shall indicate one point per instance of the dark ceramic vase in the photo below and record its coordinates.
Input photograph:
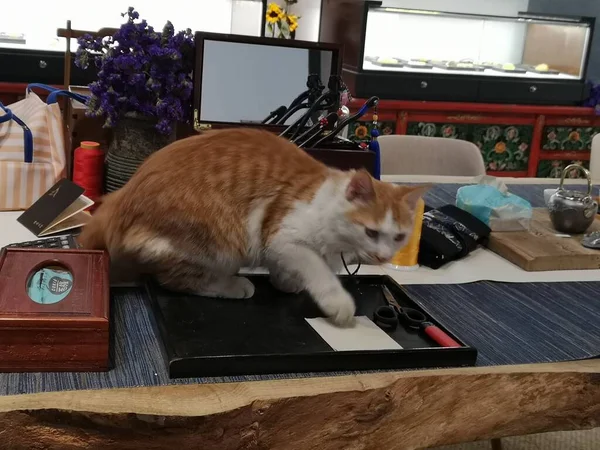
(134, 139)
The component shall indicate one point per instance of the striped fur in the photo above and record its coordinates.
(203, 207)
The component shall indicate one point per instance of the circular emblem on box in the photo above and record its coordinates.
(49, 285)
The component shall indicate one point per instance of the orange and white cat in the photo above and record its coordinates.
(203, 207)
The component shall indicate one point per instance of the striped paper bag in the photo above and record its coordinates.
(32, 148)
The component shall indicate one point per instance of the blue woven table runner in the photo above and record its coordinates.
(516, 323)
(507, 323)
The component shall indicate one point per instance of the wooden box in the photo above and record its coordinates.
(71, 334)
(343, 159)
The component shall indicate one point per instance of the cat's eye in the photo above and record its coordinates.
(399, 237)
(373, 234)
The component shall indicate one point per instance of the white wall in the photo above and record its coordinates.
(310, 10)
(202, 15)
(246, 17)
(308, 28)
(40, 28)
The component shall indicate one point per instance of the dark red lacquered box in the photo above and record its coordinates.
(71, 334)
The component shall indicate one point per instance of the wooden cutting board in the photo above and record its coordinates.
(540, 249)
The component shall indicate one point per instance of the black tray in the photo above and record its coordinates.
(268, 334)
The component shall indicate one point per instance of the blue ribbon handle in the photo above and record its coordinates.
(27, 134)
(8, 114)
(55, 93)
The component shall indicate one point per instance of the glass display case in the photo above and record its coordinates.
(409, 54)
(527, 46)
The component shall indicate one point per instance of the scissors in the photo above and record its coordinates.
(388, 317)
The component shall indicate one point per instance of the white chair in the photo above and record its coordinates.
(419, 155)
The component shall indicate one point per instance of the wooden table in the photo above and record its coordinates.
(393, 410)
(396, 410)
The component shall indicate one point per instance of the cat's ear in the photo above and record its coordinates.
(361, 187)
(413, 194)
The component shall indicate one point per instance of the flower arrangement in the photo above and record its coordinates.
(593, 100)
(140, 71)
(280, 22)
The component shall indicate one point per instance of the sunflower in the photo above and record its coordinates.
(274, 13)
(292, 21)
(361, 132)
(500, 147)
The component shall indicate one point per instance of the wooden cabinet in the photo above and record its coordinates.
(515, 140)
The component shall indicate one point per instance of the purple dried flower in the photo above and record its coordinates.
(593, 99)
(141, 71)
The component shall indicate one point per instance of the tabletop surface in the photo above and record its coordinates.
(509, 324)
(480, 265)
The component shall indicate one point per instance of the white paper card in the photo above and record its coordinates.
(364, 335)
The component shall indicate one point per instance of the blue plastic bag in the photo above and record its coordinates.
(491, 203)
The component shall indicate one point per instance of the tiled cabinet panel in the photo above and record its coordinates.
(571, 139)
(554, 168)
(503, 147)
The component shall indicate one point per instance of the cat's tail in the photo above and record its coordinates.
(94, 234)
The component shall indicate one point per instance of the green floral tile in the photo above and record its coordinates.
(504, 148)
(361, 131)
(568, 138)
(444, 130)
(554, 169)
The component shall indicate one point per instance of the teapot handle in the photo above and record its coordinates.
(581, 169)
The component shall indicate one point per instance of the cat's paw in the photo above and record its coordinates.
(286, 283)
(339, 307)
(241, 287)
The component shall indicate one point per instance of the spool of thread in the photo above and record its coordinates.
(88, 169)
(407, 258)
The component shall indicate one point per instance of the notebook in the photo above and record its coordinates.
(62, 207)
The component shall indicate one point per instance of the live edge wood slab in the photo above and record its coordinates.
(396, 410)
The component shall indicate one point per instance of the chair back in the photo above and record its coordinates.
(418, 155)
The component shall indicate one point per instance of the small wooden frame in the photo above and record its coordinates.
(76, 126)
(69, 33)
(70, 335)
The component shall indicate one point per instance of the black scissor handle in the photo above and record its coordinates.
(413, 317)
(386, 318)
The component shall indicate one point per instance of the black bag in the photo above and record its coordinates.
(449, 233)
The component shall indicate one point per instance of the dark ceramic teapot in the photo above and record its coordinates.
(571, 211)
